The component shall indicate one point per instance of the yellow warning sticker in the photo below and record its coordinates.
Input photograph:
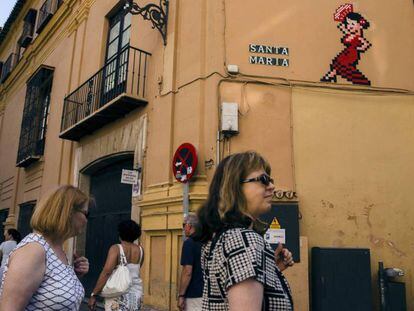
(275, 224)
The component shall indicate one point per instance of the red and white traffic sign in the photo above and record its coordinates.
(184, 162)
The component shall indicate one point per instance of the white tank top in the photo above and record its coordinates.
(60, 288)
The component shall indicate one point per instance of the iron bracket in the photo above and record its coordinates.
(157, 14)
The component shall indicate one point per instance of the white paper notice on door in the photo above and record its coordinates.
(275, 236)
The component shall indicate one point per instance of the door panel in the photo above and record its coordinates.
(177, 242)
(157, 269)
(116, 55)
(162, 268)
(113, 204)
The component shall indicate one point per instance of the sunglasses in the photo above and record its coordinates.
(264, 179)
(86, 213)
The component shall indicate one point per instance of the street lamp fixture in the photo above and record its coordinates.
(157, 14)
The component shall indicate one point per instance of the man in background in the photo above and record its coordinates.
(190, 292)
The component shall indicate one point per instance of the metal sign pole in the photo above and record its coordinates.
(186, 203)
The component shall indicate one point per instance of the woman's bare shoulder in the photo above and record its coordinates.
(31, 253)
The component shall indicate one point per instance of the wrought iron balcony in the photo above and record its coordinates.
(112, 92)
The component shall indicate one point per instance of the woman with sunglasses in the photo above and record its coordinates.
(38, 275)
(241, 271)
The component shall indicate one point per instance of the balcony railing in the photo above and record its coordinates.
(116, 89)
(8, 67)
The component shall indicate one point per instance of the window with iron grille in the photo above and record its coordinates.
(35, 113)
(28, 28)
(46, 11)
(8, 67)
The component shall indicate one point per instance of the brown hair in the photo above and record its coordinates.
(53, 216)
(236, 168)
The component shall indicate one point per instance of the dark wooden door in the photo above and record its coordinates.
(113, 204)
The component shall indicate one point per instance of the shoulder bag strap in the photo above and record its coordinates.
(141, 255)
(122, 257)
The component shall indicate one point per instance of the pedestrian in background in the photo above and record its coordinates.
(38, 275)
(129, 231)
(191, 281)
(12, 237)
(241, 271)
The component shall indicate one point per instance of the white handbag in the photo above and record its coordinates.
(120, 279)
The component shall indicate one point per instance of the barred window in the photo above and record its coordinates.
(28, 28)
(46, 12)
(8, 67)
(35, 113)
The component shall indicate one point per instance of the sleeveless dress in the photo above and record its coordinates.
(347, 60)
(60, 288)
(132, 300)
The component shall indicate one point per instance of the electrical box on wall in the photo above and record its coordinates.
(229, 118)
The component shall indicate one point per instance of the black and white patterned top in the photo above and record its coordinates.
(237, 255)
(60, 288)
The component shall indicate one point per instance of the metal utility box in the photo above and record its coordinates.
(341, 279)
(287, 215)
(229, 118)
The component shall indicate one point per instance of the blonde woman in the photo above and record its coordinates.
(38, 275)
(241, 271)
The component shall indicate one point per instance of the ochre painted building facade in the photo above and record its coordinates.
(343, 147)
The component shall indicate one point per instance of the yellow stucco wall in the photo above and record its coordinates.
(354, 173)
(308, 29)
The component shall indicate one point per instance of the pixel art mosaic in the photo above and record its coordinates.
(352, 25)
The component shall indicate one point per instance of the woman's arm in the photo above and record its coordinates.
(364, 44)
(28, 264)
(342, 28)
(110, 264)
(246, 296)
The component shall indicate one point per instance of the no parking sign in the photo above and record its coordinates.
(184, 162)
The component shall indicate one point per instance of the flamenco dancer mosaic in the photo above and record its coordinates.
(352, 25)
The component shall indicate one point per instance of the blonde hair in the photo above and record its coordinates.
(53, 215)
